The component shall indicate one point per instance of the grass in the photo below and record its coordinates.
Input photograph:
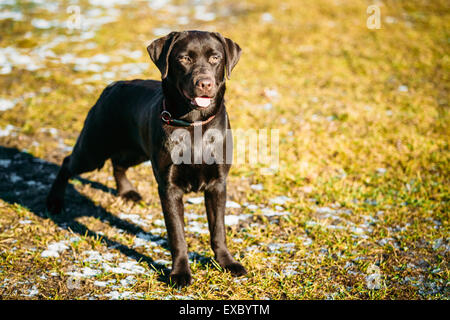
(364, 155)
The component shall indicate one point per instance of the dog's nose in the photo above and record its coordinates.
(204, 84)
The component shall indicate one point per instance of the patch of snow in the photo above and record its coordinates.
(196, 200)
(271, 213)
(10, 57)
(281, 247)
(159, 223)
(95, 256)
(267, 106)
(390, 19)
(158, 4)
(193, 216)
(182, 20)
(138, 242)
(108, 3)
(129, 69)
(162, 31)
(232, 204)
(325, 210)
(7, 3)
(86, 272)
(100, 283)
(136, 219)
(202, 14)
(163, 262)
(14, 15)
(307, 242)
(197, 227)
(257, 187)
(54, 249)
(266, 17)
(33, 291)
(231, 220)
(280, 200)
(128, 281)
(402, 88)
(5, 163)
(116, 295)
(357, 230)
(130, 267)
(43, 24)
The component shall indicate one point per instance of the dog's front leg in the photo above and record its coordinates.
(172, 205)
(215, 199)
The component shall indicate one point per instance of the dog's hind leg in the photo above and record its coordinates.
(55, 198)
(124, 187)
(75, 164)
(121, 162)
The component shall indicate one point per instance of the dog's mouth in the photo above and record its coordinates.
(199, 101)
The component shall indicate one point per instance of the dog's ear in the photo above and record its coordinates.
(159, 51)
(232, 53)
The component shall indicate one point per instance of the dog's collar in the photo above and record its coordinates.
(166, 117)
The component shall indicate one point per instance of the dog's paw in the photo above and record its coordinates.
(131, 195)
(54, 204)
(181, 279)
(236, 269)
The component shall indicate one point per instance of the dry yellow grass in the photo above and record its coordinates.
(364, 157)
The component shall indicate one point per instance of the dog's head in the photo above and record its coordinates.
(195, 63)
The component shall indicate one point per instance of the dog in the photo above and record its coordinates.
(132, 122)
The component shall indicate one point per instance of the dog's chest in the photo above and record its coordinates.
(196, 177)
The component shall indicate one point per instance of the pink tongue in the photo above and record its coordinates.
(202, 102)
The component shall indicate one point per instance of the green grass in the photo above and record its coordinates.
(364, 154)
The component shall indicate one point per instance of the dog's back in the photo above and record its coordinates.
(113, 127)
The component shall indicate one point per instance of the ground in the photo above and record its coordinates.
(358, 207)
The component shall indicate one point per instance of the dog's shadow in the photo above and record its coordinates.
(25, 180)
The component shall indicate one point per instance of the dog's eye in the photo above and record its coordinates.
(214, 59)
(185, 59)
